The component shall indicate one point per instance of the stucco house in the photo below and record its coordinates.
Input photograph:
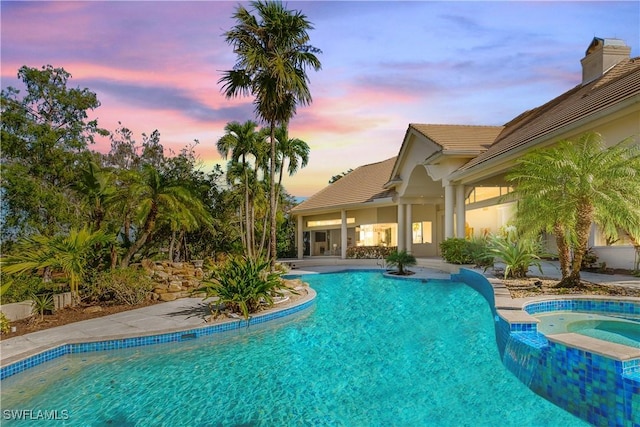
(448, 180)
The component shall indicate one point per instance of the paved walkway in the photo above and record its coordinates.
(188, 313)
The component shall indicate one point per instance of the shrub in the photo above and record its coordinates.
(518, 254)
(456, 251)
(121, 286)
(5, 325)
(478, 250)
(20, 288)
(401, 259)
(242, 283)
(369, 252)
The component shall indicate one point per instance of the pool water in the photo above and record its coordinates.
(372, 351)
(610, 328)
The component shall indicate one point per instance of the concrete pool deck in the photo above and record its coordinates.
(189, 313)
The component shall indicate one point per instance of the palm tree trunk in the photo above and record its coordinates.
(171, 245)
(583, 226)
(149, 225)
(272, 240)
(246, 202)
(563, 249)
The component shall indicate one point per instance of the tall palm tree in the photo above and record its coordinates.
(571, 185)
(157, 201)
(273, 55)
(293, 150)
(239, 141)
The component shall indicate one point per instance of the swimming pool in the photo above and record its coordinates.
(372, 351)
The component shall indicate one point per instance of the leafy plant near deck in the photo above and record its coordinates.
(518, 254)
(242, 283)
(400, 259)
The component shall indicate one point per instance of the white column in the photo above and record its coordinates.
(300, 237)
(448, 211)
(401, 227)
(343, 235)
(460, 213)
(409, 229)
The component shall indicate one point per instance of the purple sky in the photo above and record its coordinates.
(155, 65)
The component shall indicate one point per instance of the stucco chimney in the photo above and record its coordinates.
(601, 55)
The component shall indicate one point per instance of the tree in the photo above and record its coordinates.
(272, 59)
(292, 150)
(401, 259)
(43, 136)
(566, 188)
(341, 175)
(157, 201)
(239, 142)
(70, 253)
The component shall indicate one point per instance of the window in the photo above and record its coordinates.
(601, 239)
(421, 232)
(377, 235)
(485, 193)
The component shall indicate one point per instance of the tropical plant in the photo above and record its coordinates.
(565, 188)
(42, 304)
(400, 259)
(517, 254)
(272, 57)
(478, 251)
(243, 283)
(70, 254)
(238, 143)
(157, 200)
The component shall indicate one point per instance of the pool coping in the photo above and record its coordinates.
(36, 355)
(512, 310)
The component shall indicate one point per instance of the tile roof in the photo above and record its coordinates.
(621, 82)
(362, 185)
(466, 138)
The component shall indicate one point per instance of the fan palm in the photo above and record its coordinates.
(273, 55)
(571, 185)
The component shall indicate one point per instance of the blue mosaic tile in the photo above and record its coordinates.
(87, 347)
(595, 388)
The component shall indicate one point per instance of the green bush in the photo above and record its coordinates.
(121, 286)
(20, 288)
(370, 252)
(478, 250)
(42, 304)
(456, 251)
(5, 325)
(242, 283)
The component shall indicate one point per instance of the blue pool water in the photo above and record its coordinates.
(371, 352)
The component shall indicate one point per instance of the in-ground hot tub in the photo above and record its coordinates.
(614, 327)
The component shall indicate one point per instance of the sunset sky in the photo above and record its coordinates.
(155, 65)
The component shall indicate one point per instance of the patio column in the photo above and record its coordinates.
(300, 239)
(401, 227)
(409, 229)
(448, 211)
(343, 235)
(460, 213)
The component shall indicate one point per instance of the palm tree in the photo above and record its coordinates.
(293, 150)
(69, 253)
(96, 185)
(238, 142)
(571, 185)
(157, 201)
(272, 58)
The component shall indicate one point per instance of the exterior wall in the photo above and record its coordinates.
(426, 213)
